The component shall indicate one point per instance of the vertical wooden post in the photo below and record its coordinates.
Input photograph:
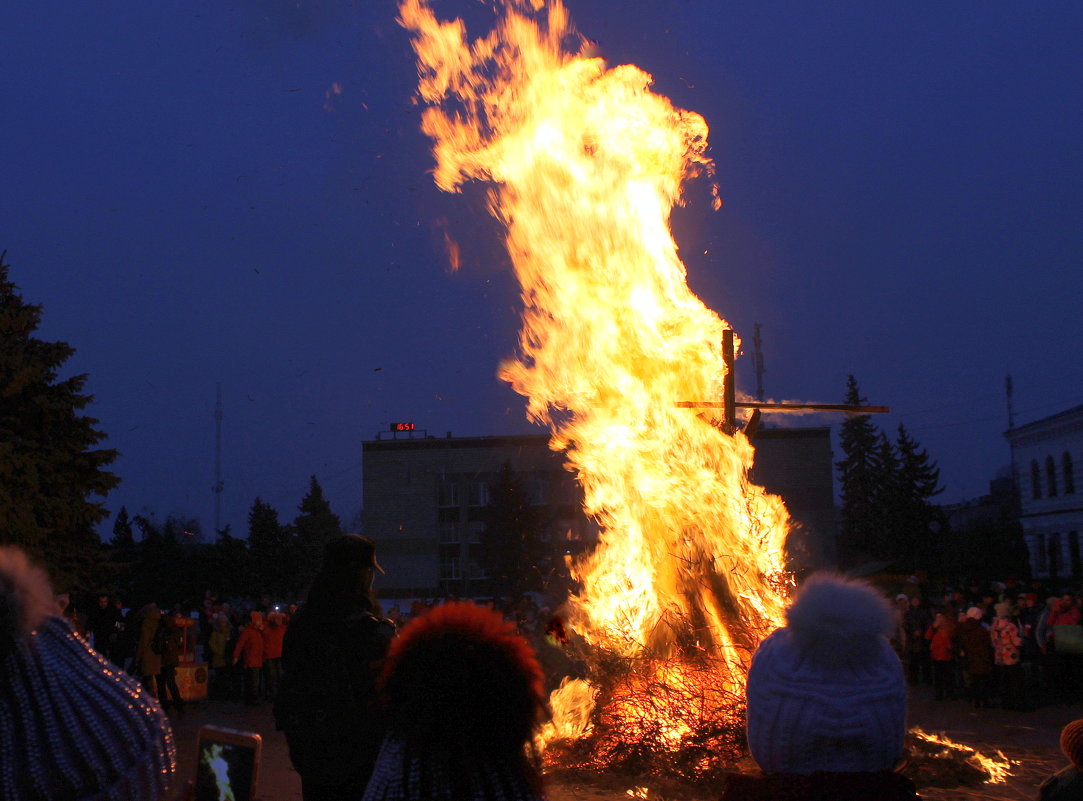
(753, 424)
(729, 392)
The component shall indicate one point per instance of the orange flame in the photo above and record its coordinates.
(998, 768)
(586, 164)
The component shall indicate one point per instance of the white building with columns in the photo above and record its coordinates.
(1046, 456)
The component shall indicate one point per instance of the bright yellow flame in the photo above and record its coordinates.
(586, 164)
(998, 769)
(575, 699)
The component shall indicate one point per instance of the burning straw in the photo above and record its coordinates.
(676, 718)
(935, 760)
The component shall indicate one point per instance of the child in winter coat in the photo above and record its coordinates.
(941, 637)
(249, 652)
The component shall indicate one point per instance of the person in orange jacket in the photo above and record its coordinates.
(250, 647)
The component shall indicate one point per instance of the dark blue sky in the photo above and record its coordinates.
(192, 202)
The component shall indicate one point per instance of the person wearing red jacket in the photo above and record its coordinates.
(249, 651)
(273, 635)
(942, 649)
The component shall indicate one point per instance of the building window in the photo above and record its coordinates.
(476, 531)
(477, 570)
(1041, 555)
(1073, 554)
(449, 494)
(1051, 475)
(1035, 480)
(1069, 473)
(449, 568)
(567, 492)
(536, 490)
(449, 533)
(1056, 558)
(479, 494)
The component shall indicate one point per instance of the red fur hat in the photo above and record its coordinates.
(1071, 742)
(461, 671)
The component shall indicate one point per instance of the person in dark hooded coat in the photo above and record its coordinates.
(331, 656)
(976, 647)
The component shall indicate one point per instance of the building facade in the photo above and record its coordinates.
(1045, 455)
(424, 500)
(798, 465)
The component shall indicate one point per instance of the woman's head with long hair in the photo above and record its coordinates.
(463, 694)
(345, 580)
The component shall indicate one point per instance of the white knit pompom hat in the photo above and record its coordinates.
(827, 692)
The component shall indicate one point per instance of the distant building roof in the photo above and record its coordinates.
(430, 442)
(1045, 421)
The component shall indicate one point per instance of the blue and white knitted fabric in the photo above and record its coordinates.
(73, 726)
(827, 692)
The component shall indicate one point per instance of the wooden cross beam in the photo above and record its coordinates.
(730, 405)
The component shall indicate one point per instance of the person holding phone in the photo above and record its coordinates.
(331, 656)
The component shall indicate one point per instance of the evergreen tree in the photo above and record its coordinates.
(182, 530)
(232, 565)
(513, 552)
(268, 543)
(149, 530)
(883, 542)
(858, 481)
(123, 537)
(917, 480)
(314, 527)
(161, 571)
(920, 475)
(49, 466)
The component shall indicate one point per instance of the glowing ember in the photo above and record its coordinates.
(585, 165)
(998, 769)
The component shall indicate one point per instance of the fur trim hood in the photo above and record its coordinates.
(26, 597)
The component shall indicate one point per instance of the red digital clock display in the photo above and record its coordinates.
(402, 426)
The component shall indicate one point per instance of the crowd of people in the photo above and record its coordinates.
(442, 702)
(1008, 644)
(240, 642)
(241, 646)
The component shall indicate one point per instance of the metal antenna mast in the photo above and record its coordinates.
(757, 361)
(1011, 406)
(217, 489)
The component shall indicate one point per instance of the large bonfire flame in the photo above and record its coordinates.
(585, 165)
